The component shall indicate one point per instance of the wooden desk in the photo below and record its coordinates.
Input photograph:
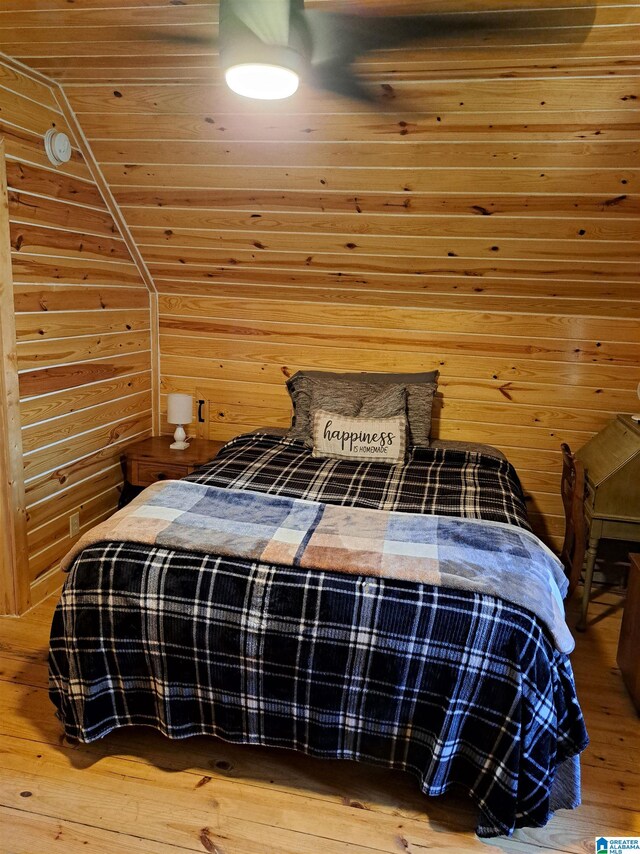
(612, 496)
(629, 645)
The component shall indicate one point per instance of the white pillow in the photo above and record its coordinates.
(367, 439)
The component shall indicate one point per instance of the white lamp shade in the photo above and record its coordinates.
(179, 409)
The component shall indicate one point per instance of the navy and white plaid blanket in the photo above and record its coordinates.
(435, 481)
(462, 689)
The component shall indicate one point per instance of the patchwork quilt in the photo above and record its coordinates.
(460, 687)
(463, 554)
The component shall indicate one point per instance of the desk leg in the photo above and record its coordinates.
(592, 551)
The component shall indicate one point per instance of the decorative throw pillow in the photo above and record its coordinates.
(354, 398)
(419, 411)
(382, 401)
(342, 398)
(299, 388)
(367, 439)
(420, 390)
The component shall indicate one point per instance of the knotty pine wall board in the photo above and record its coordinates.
(73, 269)
(216, 200)
(41, 381)
(189, 264)
(364, 125)
(544, 94)
(32, 43)
(610, 184)
(191, 227)
(82, 326)
(229, 281)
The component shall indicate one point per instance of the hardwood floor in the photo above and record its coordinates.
(135, 792)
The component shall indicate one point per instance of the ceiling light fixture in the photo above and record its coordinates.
(262, 80)
(264, 48)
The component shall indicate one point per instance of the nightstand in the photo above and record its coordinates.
(152, 459)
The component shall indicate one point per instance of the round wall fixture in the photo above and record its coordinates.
(57, 146)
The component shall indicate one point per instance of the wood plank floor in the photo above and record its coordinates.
(135, 792)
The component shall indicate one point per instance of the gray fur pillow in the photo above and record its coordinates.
(419, 398)
(383, 401)
(354, 399)
(419, 410)
(341, 398)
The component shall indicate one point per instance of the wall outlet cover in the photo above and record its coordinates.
(74, 524)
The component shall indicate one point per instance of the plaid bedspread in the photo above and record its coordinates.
(462, 689)
(461, 554)
(435, 481)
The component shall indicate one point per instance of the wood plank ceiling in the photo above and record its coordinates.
(482, 218)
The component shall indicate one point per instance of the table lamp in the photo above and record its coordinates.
(180, 412)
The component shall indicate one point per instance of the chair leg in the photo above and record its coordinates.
(592, 551)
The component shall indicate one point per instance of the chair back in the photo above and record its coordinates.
(572, 490)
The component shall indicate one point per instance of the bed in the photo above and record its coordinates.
(458, 686)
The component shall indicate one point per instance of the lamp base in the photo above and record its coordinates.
(179, 439)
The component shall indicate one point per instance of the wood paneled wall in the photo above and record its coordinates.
(82, 323)
(482, 218)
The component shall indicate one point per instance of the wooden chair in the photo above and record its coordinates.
(572, 489)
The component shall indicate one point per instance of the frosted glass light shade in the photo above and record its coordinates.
(261, 80)
(179, 409)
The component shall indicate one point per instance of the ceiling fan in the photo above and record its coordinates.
(267, 46)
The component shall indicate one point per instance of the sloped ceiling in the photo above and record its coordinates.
(483, 218)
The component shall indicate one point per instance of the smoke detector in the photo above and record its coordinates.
(57, 146)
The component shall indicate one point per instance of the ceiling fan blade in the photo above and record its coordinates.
(339, 39)
(358, 34)
(339, 79)
(183, 38)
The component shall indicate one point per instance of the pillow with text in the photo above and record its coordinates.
(366, 439)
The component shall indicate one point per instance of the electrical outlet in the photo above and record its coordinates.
(74, 524)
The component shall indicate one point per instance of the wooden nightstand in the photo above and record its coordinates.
(152, 459)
